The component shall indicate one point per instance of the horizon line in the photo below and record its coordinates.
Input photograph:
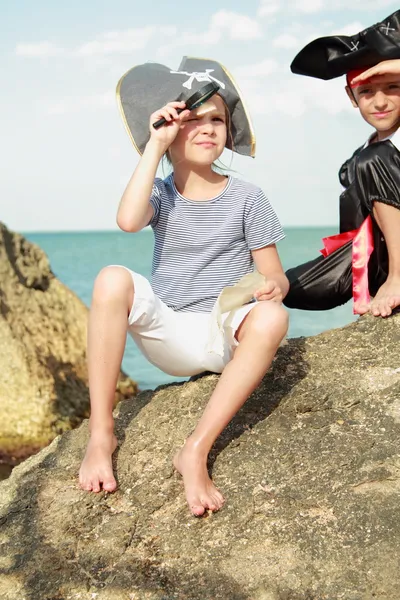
(147, 228)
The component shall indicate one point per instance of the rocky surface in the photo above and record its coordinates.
(310, 468)
(43, 376)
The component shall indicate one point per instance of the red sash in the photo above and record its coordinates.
(363, 245)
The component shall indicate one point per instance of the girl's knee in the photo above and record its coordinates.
(113, 283)
(269, 318)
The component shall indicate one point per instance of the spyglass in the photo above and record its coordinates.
(194, 101)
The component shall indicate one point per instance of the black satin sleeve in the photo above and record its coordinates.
(377, 175)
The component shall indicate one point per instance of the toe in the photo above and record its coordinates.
(96, 486)
(197, 510)
(384, 309)
(211, 502)
(375, 310)
(363, 308)
(219, 497)
(109, 484)
(87, 486)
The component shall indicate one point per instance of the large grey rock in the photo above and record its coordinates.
(43, 375)
(310, 468)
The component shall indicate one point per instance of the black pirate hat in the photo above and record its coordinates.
(333, 56)
(145, 88)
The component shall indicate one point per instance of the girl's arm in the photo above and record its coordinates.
(268, 263)
(135, 210)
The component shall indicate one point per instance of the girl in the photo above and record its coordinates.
(210, 230)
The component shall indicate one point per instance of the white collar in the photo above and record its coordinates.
(394, 138)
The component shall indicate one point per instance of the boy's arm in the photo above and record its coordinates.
(268, 263)
(386, 67)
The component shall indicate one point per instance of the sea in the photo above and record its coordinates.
(77, 257)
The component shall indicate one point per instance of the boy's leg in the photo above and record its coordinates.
(259, 337)
(388, 295)
(108, 320)
(322, 283)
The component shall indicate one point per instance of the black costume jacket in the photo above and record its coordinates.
(371, 175)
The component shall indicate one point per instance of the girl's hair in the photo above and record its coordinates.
(218, 165)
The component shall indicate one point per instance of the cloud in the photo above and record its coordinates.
(106, 44)
(268, 8)
(289, 95)
(74, 104)
(123, 42)
(223, 23)
(351, 29)
(237, 26)
(309, 6)
(264, 68)
(286, 41)
(39, 50)
(272, 7)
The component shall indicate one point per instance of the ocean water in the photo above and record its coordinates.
(77, 257)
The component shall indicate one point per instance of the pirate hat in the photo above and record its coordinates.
(146, 88)
(333, 56)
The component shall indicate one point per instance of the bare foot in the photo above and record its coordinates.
(387, 298)
(96, 471)
(201, 493)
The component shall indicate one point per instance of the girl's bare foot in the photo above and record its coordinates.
(387, 298)
(96, 471)
(201, 493)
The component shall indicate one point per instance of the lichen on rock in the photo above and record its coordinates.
(311, 471)
(43, 375)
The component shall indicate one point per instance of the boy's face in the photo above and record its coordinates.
(379, 103)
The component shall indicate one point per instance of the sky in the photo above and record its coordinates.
(64, 153)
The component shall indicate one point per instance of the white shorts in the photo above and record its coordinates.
(176, 342)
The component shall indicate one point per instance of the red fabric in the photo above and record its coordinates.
(354, 73)
(334, 242)
(363, 246)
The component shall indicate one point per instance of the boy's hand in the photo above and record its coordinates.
(166, 134)
(269, 291)
(386, 67)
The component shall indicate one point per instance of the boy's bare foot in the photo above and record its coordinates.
(201, 493)
(96, 471)
(387, 298)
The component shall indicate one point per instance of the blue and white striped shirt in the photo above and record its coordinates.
(203, 246)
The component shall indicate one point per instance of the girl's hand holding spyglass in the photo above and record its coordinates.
(165, 135)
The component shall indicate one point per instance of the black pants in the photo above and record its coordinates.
(327, 282)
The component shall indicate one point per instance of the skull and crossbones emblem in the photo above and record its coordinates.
(198, 76)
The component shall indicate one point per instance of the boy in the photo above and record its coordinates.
(365, 257)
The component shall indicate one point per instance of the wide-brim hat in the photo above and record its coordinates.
(333, 56)
(146, 88)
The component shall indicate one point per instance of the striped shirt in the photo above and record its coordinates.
(203, 246)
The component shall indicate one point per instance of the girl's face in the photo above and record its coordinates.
(202, 136)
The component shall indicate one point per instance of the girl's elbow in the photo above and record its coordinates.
(127, 225)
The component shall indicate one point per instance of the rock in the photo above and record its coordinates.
(43, 376)
(310, 468)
